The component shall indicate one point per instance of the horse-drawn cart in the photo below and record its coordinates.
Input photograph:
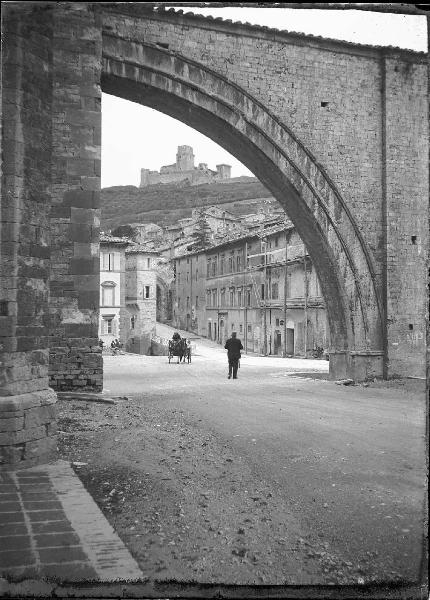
(180, 348)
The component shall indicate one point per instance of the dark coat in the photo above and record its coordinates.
(233, 346)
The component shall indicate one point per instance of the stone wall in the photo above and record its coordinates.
(27, 414)
(76, 360)
(406, 218)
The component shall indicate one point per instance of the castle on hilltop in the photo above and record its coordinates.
(183, 170)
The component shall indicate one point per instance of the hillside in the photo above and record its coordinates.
(164, 204)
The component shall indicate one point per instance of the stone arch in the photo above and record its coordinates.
(229, 115)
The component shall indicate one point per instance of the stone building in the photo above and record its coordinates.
(255, 285)
(134, 291)
(183, 169)
(140, 298)
(113, 313)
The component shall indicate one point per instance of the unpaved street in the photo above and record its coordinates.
(274, 478)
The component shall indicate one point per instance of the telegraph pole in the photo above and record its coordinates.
(264, 301)
(285, 293)
(306, 300)
(245, 296)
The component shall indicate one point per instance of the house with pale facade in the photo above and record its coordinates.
(112, 288)
(134, 290)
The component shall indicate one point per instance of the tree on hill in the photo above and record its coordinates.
(125, 231)
(202, 233)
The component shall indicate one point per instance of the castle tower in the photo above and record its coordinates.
(224, 171)
(144, 177)
(185, 158)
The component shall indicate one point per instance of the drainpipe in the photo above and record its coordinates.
(245, 285)
(383, 67)
(264, 301)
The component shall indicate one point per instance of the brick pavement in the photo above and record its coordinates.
(51, 529)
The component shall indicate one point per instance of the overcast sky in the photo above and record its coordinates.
(135, 137)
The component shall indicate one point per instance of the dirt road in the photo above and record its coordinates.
(273, 478)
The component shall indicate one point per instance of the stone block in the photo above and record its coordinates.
(40, 449)
(82, 199)
(11, 424)
(84, 266)
(11, 438)
(11, 455)
(35, 417)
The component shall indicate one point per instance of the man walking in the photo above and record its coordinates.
(233, 346)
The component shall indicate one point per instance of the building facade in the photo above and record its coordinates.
(112, 288)
(140, 298)
(261, 285)
(134, 290)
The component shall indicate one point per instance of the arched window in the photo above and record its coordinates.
(108, 293)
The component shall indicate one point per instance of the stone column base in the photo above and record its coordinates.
(358, 365)
(28, 429)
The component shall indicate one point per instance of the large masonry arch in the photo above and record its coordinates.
(224, 112)
(334, 130)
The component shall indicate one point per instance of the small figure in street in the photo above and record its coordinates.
(233, 346)
(176, 337)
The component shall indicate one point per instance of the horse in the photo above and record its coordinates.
(180, 349)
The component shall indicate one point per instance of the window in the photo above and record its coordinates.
(208, 268)
(277, 322)
(232, 326)
(248, 297)
(263, 287)
(214, 267)
(108, 293)
(222, 264)
(230, 264)
(208, 298)
(241, 328)
(108, 261)
(223, 297)
(148, 263)
(107, 326)
(214, 297)
(146, 291)
(231, 296)
(238, 263)
(275, 291)
(277, 241)
(133, 321)
(249, 328)
(197, 302)
(239, 297)
(179, 278)
(197, 273)
(188, 301)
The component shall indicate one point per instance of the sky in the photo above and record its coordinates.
(135, 137)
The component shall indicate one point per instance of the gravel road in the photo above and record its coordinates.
(275, 478)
